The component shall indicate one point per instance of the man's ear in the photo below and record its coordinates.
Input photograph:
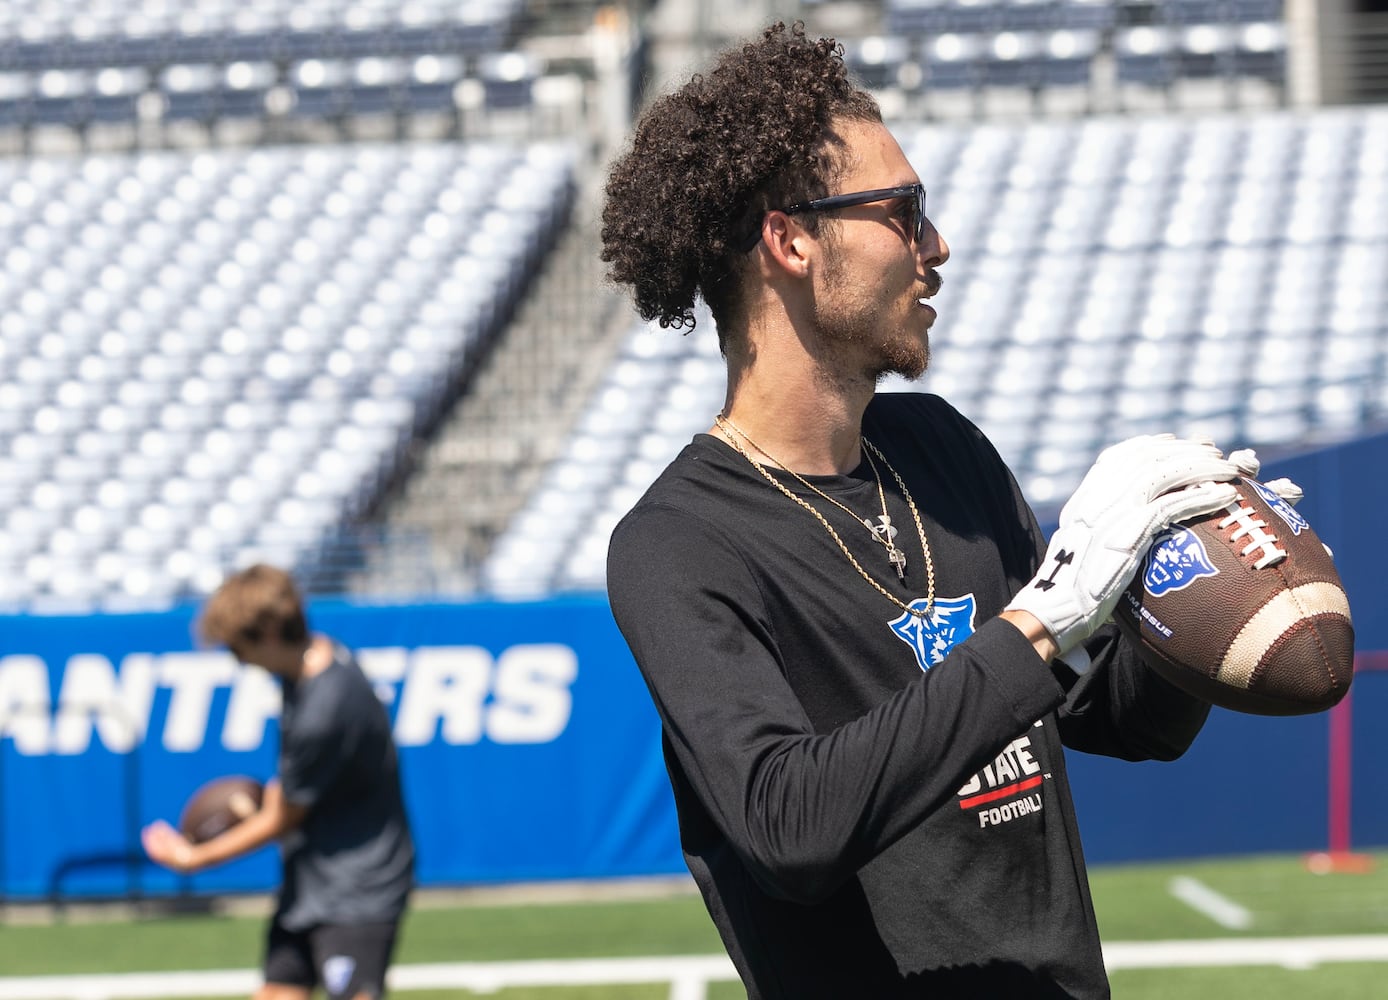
(786, 244)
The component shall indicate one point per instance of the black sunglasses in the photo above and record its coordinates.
(916, 224)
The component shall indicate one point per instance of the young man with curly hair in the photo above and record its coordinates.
(335, 806)
(865, 656)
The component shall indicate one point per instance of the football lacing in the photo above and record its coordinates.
(1255, 529)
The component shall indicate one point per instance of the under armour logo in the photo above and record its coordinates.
(1062, 558)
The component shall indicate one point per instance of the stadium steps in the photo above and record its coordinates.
(473, 474)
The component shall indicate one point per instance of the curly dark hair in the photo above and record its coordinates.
(709, 160)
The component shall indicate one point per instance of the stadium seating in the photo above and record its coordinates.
(1220, 274)
(211, 357)
(70, 64)
(55, 34)
(931, 16)
(122, 61)
(1037, 44)
(188, 380)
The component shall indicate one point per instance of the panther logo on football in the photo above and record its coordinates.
(1176, 561)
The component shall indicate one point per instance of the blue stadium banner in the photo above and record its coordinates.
(529, 747)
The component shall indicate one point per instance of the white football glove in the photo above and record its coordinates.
(1287, 490)
(1247, 461)
(1135, 490)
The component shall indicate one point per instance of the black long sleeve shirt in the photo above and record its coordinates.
(875, 806)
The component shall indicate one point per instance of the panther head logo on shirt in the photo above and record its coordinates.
(951, 621)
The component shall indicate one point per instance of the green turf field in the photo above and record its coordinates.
(1278, 896)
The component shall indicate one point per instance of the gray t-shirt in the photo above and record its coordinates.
(352, 859)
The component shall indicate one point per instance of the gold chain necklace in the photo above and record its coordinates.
(883, 533)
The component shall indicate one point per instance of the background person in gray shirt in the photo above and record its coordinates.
(335, 805)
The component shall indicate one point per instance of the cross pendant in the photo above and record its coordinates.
(898, 560)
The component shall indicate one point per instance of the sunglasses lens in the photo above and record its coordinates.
(920, 213)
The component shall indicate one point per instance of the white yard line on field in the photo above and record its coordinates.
(488, 977)
(110, 986)
(687, 975)
(1287, 952)
(1219, 908)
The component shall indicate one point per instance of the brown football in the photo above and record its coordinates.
(1244, 608)
(218, 806)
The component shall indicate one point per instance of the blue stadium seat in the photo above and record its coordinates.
(210, 46)
(508, 79)
(957, 16)
(1085, 15)
(33, 55)
(1184, 12)
(321, 87)
(62, 97)
(1205, 50)
(353, 43)
(432, 82)
(1146, 55)
(909, 17)
(140, 41)
(952, 61)
(1067, 57)
(245, 86)
(1026, 15)
(1132, 13)
(1260, 51)
(972, 16)
(1255, 10)
(190, 92)
(16, 99)
(116, 93)
(1012, 59)
(378, 86)
(877, 60)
